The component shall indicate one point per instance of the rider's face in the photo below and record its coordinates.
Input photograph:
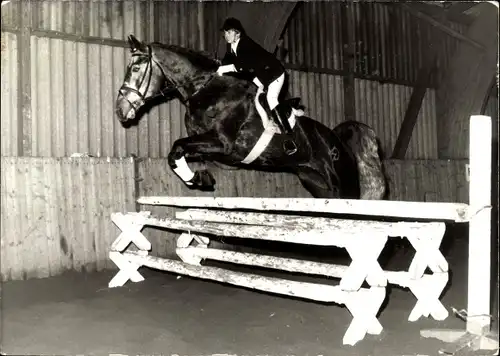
(231, 36)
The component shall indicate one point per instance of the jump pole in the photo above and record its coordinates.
(477, 334)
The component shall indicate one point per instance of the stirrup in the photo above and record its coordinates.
(290, 151)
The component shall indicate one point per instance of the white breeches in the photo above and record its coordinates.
(273, 91)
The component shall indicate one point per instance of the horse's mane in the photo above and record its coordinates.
(202, 59)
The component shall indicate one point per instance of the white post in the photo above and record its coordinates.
(478, 303)
(477, 334)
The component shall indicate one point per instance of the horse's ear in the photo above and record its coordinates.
(131, 40)
(135, 44)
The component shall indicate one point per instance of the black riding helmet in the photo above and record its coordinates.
(233, 24)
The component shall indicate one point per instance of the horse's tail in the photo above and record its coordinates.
(362, 141)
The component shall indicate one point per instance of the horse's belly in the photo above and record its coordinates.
(264, 151)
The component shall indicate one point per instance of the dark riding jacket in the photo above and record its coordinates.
(252, 58)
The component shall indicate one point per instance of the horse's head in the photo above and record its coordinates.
(155, 69)
(143, 80)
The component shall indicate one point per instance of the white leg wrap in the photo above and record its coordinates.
(183, 170)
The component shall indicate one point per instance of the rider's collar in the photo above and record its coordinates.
(234, 45)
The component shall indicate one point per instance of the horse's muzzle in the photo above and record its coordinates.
(125, 108)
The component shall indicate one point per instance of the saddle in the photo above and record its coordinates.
(285, 109)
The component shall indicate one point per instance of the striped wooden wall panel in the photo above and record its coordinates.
(56, 213)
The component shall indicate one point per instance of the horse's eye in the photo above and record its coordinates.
(135, 69)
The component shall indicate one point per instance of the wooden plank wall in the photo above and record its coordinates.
(56, 213)
(428, 180)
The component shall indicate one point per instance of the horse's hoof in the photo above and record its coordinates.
(203, 180)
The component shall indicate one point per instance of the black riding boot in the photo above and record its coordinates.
(289, 144)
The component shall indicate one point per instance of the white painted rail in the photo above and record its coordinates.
(364, 305)
(457, 212)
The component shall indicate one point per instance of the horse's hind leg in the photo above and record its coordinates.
(316, 184)
(204, 146)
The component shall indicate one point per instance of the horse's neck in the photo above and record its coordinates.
(192, 84)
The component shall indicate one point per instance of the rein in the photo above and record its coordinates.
(167, 89)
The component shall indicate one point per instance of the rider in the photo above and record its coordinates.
(244, 54)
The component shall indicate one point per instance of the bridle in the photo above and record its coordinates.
(124, 90)
(148, 72)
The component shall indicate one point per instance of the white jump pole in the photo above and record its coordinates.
(478, 319)
(479, 267)
(458, 212)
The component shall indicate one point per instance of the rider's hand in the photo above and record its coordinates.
(227, 68)
(259, 84)
(220, 71)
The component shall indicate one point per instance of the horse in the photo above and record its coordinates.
(225, 126)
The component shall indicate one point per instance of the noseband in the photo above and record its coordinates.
(125, 90)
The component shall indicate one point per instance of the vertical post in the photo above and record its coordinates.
(24, 58)
(479, 266)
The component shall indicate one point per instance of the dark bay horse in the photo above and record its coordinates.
(224, 126)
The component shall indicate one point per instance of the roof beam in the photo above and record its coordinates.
(441, 26)
(458, 8)
(438, 13)
(415, 104)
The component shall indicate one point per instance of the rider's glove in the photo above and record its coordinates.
(259, 84)
(227, 68)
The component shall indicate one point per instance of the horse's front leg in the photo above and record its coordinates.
(204, 146)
